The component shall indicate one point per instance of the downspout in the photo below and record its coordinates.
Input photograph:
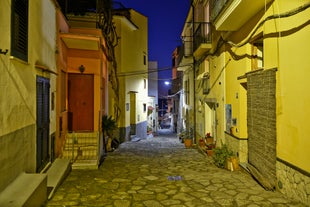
(194, 69)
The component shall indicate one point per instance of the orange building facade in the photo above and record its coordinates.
(82, 81)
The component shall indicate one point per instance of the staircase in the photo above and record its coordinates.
(82, 148)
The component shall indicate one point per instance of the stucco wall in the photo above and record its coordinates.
(17, 154)
(293, 95)
(131, 52)
(18, 88)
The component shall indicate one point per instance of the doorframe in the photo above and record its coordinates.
(42, 129)
(93, 99)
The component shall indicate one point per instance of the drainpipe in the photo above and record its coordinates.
(194, 69)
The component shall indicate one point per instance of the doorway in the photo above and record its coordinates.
(43, 100)
(210, 118)
(81, 102)
(133, 122)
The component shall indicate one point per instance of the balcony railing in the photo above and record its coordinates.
(202, 34)
(185, 51)
(216, 7)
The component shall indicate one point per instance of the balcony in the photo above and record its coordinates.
(202, 38)
(230, 15)
(185, 54)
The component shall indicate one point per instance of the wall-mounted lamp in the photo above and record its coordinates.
(82, 68)
(4, 51)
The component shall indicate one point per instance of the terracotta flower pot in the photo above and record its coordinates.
(209, 152)
(188, 143)
(202, 143)
(209, 140)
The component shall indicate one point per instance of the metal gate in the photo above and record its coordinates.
(43, 97)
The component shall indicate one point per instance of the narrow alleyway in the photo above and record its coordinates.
(160, 172)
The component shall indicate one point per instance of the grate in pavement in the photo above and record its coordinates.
(174, 178)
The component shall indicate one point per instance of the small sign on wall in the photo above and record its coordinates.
(228, 113)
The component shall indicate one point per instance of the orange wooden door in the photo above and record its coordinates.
(81, 102)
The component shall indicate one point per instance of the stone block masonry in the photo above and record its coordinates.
(293, 183)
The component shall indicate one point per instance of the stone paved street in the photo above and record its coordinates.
(159, 172)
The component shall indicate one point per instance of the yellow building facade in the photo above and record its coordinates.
(248, 75)
(132, 66)
(28, 87)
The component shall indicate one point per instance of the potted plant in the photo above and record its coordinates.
(220, 155)
(108, 125)
(182, 135)
(149, 130)
(209, 138)
(187, 137)
(209, 149)
(202, 143)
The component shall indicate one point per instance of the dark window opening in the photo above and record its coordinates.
(257, 54)
(77, 7)
(144, 59)
(144, 107)
(19, 29)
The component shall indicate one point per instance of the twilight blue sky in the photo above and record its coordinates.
(165, 23)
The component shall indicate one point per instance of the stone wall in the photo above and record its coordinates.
(238, 146)
(18, 154)
(293, 183)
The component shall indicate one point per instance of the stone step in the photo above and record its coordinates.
(27, 190)
(82, 138)
(81, 147)
(82, 134)
(58, 171)
(79, 152)
(85, 164)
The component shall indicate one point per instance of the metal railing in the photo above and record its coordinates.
(202, 34)
(81, 146)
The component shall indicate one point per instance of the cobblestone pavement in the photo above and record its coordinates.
(159, 172)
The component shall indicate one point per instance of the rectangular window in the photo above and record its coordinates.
(144, 107)
(206, 85)
(19, 29)
(257, 54)
(63, 92)
(186, 92)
